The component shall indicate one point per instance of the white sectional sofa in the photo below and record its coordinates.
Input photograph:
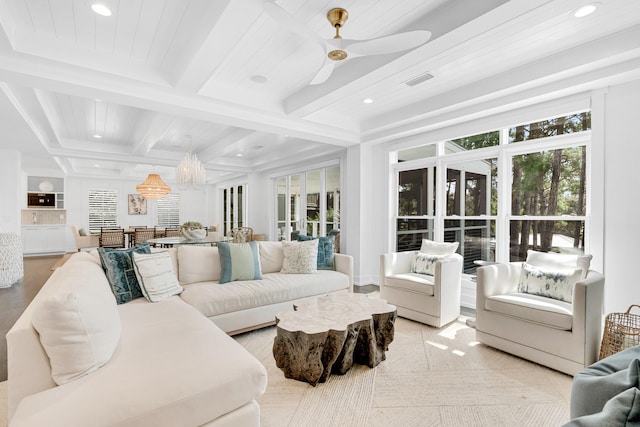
(173, 364)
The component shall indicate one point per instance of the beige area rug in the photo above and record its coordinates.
(432, 377)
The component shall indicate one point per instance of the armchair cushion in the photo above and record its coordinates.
(554, 261)
(412, 282)
(556, 283)
(438, 248)
(545, 311)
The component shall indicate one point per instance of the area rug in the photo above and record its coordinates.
(431, 377)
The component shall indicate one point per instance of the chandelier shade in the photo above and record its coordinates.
(190, 171)
(153, 187)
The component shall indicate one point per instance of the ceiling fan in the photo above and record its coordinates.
(339, 49)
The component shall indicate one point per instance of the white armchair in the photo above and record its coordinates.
(560, 335)
(430, 299)
(88, 241)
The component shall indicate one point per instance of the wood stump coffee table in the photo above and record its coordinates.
(330, 333)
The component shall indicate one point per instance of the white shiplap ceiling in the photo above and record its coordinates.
(122, 95)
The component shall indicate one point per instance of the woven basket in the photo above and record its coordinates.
(621, 331)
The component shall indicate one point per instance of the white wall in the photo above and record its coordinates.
(11, 189)
(622, 200)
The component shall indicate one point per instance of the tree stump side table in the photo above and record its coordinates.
(329, 334)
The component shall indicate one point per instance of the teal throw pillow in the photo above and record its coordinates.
(621, 410)
(239, 261)
(325, 250)
(118, 267)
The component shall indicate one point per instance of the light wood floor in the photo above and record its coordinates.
(15, 299)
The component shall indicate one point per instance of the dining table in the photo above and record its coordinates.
(169, 242)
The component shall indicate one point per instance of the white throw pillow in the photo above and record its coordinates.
(79, 330)
(271, 256)
(156, 276)
(438, 248)
(300, 257)
(198, 264)
(553, 261)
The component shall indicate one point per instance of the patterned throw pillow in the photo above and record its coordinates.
(425, 263)
(325, 250)
(551, 284)
(238, 261)
(118, 267)
(300, 257)
(155, 275)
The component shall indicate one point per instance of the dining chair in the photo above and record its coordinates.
(112, 237)
(141, 235)
(171, 232)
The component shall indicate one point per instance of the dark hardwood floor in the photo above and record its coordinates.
(15, 299)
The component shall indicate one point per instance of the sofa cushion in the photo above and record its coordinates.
(239, 261)
(551, 283)
(212, 299)
(118, 266)
(414, 282)
(325, 250)
(438, 248)
(156, 276)
(198, 264)
(300, 257)
(425, 263)
(79, 329)
(173, 367)
(271, 256)
(554, 261)
(621, 410)
(533, 308)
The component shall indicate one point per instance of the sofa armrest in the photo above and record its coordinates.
(344, 264)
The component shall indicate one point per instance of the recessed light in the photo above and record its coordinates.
(257, 78)
(239, 155)
(367, 101)
(101, 9)
(585, 10)
(97, 136)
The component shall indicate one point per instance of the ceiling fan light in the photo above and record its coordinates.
(153, 187)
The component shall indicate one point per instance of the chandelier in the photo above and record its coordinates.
(153, 187)
(190, 171)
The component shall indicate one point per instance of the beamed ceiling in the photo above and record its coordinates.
(120, 96)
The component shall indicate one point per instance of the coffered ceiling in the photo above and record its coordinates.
(120, 96)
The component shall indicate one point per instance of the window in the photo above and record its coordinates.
(308, 203)
(103, 209)
(169, 211)
(234, 207)
(522, 186)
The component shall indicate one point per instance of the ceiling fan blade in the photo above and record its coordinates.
(283, 17)
(389, 44)
(324, 73)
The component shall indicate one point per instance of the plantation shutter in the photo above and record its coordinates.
(169, 211)
(103, 209)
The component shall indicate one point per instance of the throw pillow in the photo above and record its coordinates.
(79, 329)
(271, 256)
(300, 257)
(556, 284)
(425, 263)
(239, 261)
(155, 275)
(621, 410)
(120, 273)
(554, 261)
(438, 248)
(325, 250)
(82, 232)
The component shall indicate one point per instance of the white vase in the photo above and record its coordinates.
(194, 234)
